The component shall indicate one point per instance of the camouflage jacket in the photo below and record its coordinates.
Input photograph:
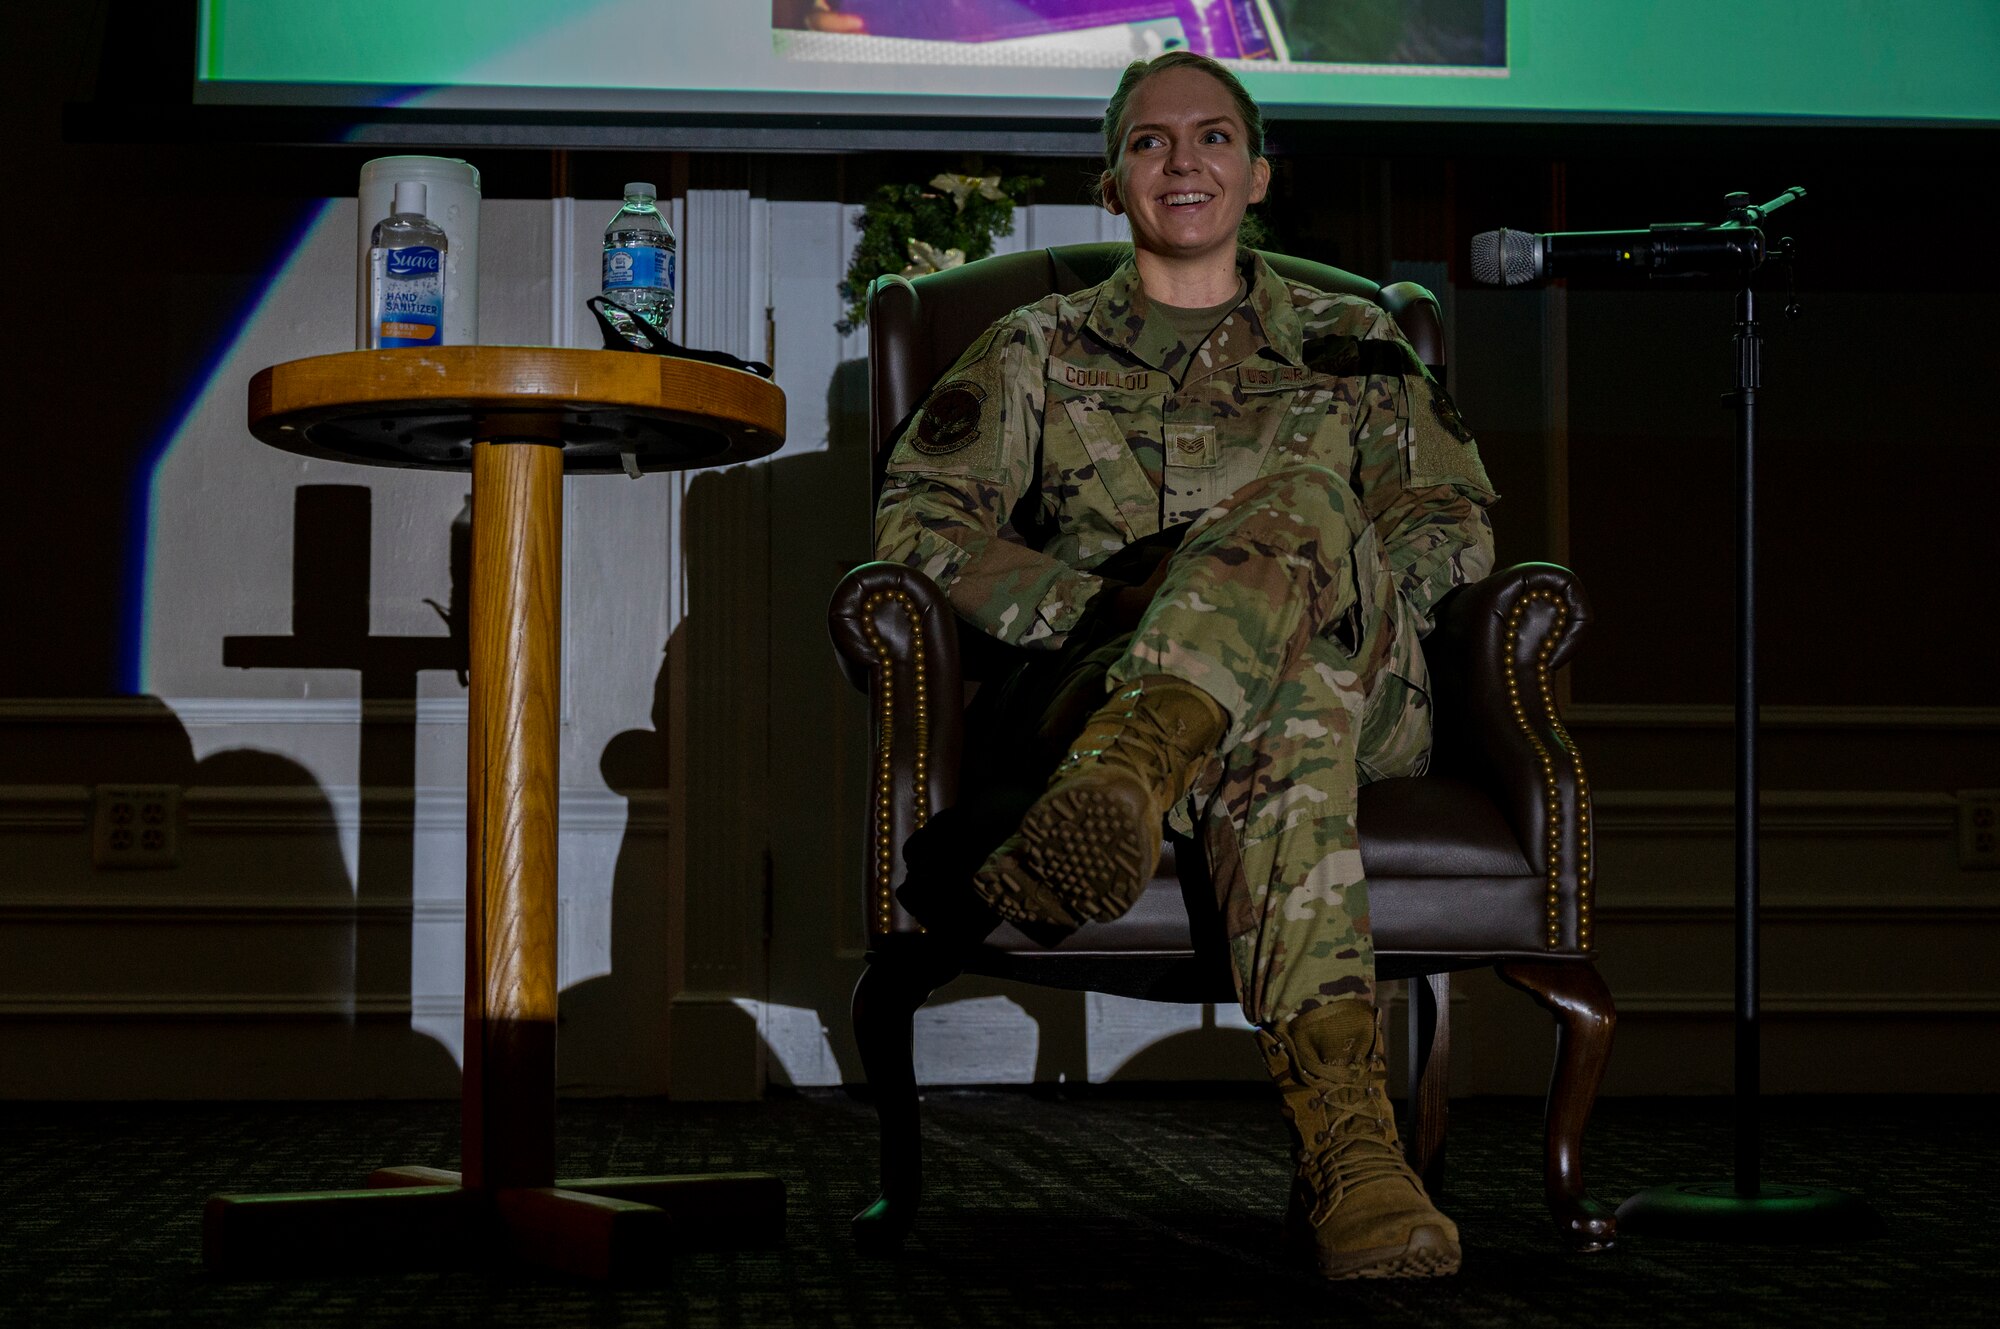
(1019, 473)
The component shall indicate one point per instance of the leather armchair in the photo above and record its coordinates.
(1483, 861)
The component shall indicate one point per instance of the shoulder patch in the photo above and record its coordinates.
(1446, 411)
(1441, 450)
(950, 419)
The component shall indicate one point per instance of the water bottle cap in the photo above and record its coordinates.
(641, 189)
(411, 196)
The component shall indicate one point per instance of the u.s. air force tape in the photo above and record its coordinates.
(951, 418)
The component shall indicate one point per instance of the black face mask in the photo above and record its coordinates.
(625, 331)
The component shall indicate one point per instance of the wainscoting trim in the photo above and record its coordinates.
(312, 808)
(211, 911)
(44, 807)
(201, 1006)
(333, 1005)
(230, 712)
(1815, 813)
(1678, 715)
(1915, 1005)
(1922, 910)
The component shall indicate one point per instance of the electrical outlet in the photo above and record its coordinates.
(1979, 828)
(136, 826)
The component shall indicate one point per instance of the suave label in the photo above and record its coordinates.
(409, 295)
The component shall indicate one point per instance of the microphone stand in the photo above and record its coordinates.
(1747, 1209)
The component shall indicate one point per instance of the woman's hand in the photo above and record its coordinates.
(824, 18)
(817, 15)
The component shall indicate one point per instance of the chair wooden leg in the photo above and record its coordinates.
(892, 988)
(1429, 1074)
(1575, 994)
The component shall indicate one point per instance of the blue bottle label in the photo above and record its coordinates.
(409, 296)
(638, 267)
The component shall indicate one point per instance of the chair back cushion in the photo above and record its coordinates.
(918, 327)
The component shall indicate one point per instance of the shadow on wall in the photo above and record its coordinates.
(332, 581)
(768, 752)
(777, 758)
(375, 1052)
(252, 969)
(258, 966)
(612, 1029)
(1207, 1051)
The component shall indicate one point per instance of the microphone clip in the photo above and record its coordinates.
(1786, 251)
(1738, 209)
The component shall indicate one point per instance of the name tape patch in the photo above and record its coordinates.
(1124, 380)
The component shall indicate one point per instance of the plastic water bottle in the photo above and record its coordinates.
(406, 258)
(639, 252)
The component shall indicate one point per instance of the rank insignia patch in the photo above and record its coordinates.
(1191, 445)
(950, 419)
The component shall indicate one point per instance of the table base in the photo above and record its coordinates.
(596, 1228)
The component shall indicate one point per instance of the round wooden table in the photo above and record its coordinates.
(517, 417)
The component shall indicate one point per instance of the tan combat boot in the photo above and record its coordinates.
(1356, 1206)
(1091, 842)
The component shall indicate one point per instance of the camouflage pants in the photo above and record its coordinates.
(1281, 605)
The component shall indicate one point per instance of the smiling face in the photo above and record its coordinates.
(1184, 173)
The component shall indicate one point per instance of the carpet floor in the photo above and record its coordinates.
(1096, 1207)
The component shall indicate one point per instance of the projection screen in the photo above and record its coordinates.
(1856, 61)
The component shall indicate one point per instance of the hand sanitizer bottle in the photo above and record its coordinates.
(406, 274)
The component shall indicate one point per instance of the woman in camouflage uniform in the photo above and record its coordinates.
(1248, 496)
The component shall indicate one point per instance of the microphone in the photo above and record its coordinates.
(1679, 249)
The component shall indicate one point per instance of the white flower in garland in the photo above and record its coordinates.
(926, 257)
(963, 187)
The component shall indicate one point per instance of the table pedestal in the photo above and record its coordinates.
(506, 1202)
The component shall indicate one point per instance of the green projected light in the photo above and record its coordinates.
(375, 41)
(1855, 60)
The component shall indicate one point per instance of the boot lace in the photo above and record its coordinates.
(1354, 1144)
(1144, 741)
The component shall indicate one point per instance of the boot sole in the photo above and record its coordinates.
(1087, 846)
(1427, 1254)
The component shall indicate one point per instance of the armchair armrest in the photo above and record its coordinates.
(1416, 313)
(897, 640)
(1492, 659)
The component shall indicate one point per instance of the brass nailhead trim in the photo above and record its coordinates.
(1546, 693)
(882, 861)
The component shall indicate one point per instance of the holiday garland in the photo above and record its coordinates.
(914, 229)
